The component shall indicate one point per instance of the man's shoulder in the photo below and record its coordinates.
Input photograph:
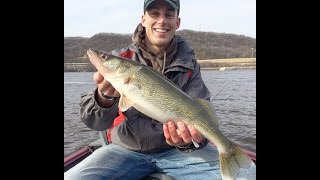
(184, 57)
(183, 44)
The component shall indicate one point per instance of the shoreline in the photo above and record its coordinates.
(226, 68)
(209, 64)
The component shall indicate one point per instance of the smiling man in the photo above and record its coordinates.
(160, 23)
(138, 145)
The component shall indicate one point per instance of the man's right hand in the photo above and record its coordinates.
(106, 88)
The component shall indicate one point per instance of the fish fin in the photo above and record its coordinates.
(231, 164)
(209, 109)
(124, 103)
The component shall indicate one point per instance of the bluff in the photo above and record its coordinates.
(207, 45)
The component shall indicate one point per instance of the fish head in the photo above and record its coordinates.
(113, 68)
(100, 58)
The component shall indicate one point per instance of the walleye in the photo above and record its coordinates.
(154, 95)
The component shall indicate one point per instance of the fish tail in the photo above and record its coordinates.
(233, 161)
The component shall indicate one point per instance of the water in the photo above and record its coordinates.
(234, 97)
(233, 93)
(76, 134)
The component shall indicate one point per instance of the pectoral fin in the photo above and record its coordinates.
(124, 103)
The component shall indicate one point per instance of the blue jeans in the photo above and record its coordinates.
(114, 162)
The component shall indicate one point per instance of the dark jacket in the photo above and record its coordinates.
(138, 132)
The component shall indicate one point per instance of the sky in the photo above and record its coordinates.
(86, 18)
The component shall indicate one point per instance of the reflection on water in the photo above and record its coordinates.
(233, 94)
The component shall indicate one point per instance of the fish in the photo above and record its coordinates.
(154, 95)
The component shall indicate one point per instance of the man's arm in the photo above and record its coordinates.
(99, 107)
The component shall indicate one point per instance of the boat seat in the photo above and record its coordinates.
(153, 176)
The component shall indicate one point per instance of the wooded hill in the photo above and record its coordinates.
(207, 45)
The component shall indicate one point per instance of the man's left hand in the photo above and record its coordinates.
(180, 133)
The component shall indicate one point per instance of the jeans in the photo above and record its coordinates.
(114, 162)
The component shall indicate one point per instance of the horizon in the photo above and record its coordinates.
(83, 19)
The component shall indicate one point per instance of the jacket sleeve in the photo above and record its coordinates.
(195, 86)
(95, 116)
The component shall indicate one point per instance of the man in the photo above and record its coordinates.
(140, 145)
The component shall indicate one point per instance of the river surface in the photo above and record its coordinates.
(233, 93)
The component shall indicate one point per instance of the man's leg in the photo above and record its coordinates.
(111, 162)
(198, 164)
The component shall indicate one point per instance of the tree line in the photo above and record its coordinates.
(207, 45)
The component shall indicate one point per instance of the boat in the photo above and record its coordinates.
(85, 151)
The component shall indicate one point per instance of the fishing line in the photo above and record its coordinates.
(226, 83)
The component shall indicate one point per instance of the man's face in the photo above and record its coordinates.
(160, 21)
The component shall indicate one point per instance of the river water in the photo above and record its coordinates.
(233, 93)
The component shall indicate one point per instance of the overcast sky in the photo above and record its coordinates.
(89, 17)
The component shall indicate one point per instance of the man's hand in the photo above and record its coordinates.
(180, 133)
(104, 88)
